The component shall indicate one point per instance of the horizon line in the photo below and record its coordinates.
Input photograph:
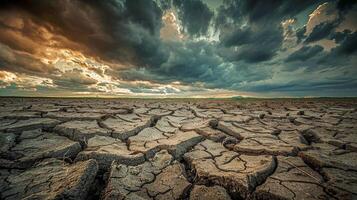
(136, 97)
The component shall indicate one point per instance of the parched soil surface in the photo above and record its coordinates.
(178, 149)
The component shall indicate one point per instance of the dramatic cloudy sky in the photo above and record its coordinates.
(178, 48)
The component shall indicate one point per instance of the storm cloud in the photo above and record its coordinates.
(167, 47)
(122, 31)
(195, 16)
(304, 53)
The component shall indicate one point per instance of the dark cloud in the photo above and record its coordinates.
(347, 46)
(345, 5)
(121, 31)
(254, 46)
(164, 4)
(193, 62)
(300, 34)
(15, 61)
(327, 29)
(339, 36)
(260, 35)
(313, 58)
(195, 16)
(188, 62)
(334, 87)
(304, 53)
(320, 31)
(342, 55)
(272, 10)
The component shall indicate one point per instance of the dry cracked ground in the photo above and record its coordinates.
(178, 149)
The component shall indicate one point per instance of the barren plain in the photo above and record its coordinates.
(54, 148)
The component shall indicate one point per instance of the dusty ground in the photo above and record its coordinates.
(178, 149)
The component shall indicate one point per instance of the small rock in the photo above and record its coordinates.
(291, 119)
(276, 132)
(300, 112)
(261, 115)
(229, 142)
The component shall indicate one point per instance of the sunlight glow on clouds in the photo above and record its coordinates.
(171, 29)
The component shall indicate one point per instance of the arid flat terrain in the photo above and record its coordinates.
(178, 149)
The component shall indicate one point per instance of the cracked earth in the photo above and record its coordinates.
(178, 149)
